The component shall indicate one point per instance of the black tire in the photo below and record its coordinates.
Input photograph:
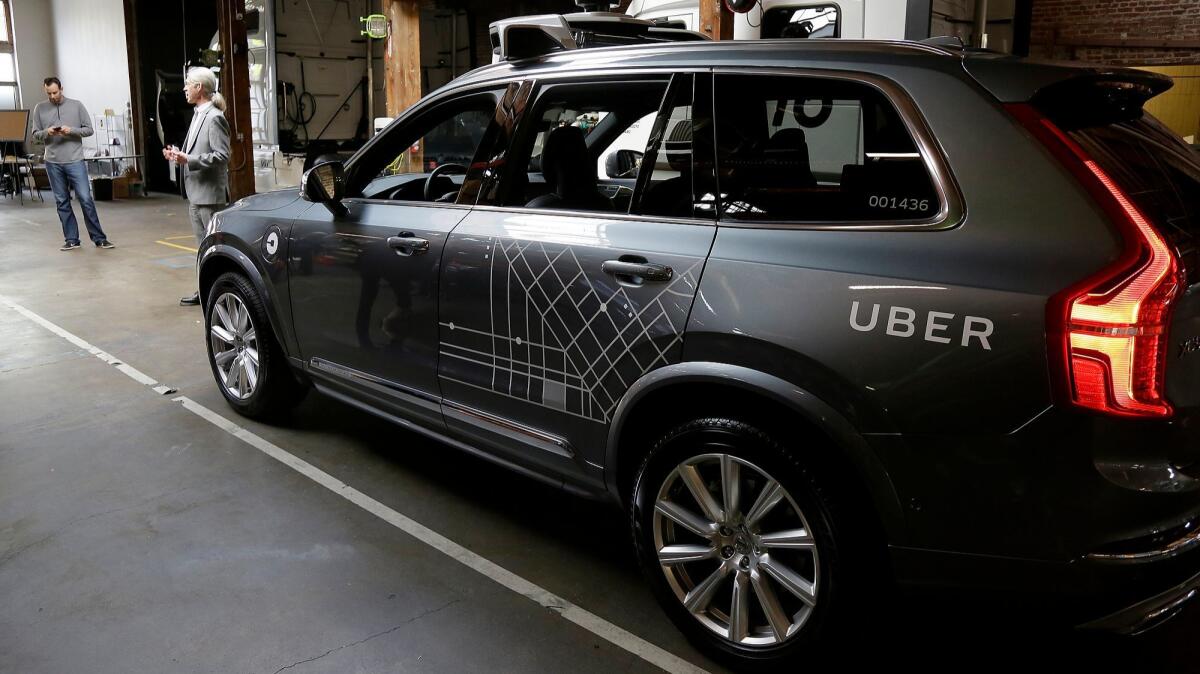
(276, 390)
(842, 569)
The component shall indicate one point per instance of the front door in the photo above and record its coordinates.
(364, 282)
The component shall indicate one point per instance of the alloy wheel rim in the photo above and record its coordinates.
(748, 574)
(234, 343)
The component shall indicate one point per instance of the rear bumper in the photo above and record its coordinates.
(1075, 519)
(1148, 613)
(1127, 595)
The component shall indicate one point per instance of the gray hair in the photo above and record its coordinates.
(208, 82)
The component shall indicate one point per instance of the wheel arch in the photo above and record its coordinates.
(221, 258)
(676, 393)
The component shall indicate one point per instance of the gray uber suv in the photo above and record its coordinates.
(823, 317)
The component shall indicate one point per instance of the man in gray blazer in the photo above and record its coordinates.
(204, 158)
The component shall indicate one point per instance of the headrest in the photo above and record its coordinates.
(565, 161)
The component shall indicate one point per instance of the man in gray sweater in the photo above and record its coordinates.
(62, 123)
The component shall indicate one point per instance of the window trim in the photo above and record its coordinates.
(7, 44)
(541, 81)
(7, 47)
(951, 211)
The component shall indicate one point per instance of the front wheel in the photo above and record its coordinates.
(741, 542)
(250, 368)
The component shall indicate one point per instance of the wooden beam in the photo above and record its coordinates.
(402, 55)
(235, 87)
(402, 67)
(716, 20)
(136, 102)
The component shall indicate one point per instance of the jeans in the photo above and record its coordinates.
(74, 175)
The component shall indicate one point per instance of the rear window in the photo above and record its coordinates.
(808, 149)
(1157, 170)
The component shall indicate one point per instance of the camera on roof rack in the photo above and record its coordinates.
(595, 5)
(525, 37)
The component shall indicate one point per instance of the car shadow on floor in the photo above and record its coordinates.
(941, 635)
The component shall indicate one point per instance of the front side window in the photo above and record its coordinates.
(808, 149)
(452, 141)
(426, 158)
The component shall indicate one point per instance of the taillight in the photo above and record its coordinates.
(1107, 334)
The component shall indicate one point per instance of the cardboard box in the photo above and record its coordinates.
(40, 178)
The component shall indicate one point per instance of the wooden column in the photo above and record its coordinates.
(235, 87)
(402, 55)
(716, 21)
(136, 116)
(402, 68)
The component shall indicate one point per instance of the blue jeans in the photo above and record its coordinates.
(74, 176)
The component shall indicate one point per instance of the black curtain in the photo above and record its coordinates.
(170, 34)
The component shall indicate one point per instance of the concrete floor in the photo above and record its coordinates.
(137, 537)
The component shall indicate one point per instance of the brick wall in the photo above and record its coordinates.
(1092, 30)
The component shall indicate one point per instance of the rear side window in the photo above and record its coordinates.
(1155, 168)
(807, 149)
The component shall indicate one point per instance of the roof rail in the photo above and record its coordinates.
(525, 37)
(946, 41)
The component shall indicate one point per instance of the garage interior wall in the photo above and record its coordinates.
(92, 60)
(957, 18)
(33, 43)
(1117, 32)
(81, 43)
(1158, 35)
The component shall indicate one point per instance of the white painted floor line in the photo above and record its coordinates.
(126, 369)
(585, 619)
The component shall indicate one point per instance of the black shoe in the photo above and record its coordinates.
(191, 300)
(69, 246)
(106, 244)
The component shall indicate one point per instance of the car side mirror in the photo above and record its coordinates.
(623, 163)
(325, 184)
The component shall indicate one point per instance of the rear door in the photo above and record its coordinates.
(550, 314)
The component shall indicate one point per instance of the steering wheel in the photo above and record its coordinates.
(816, 120)
(437, 173)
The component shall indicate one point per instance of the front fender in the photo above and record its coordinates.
(217, 255)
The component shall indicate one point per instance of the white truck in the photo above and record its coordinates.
(854, 19)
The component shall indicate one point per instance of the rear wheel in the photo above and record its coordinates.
(743, 543)
(250, 368)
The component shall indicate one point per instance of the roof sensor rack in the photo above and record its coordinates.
(526, 37)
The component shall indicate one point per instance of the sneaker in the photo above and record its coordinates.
(106, 244)
(69, 246)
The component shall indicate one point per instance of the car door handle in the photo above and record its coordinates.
(635, 273)
(407, 244)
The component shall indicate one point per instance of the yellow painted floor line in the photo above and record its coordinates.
(175, 245)
(176, 238)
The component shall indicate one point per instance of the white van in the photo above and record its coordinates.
(861, 19)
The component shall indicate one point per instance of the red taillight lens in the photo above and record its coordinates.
(1108, 333)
